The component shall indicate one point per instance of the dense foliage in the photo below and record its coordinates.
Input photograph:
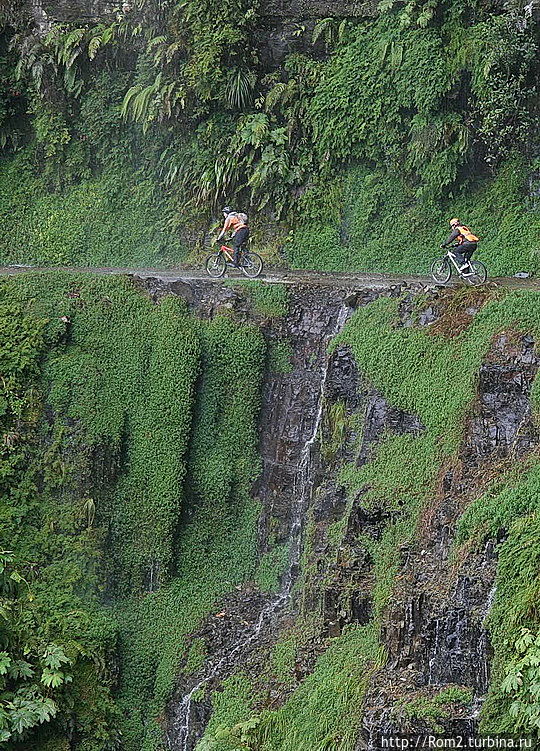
(118, 421)
(130, 131)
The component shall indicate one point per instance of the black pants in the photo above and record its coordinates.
(464, 251)
(239, 239)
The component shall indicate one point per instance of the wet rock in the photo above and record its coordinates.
(290, 420)
(303, 9)
(435, 630)
(342, 380)
(381, 416)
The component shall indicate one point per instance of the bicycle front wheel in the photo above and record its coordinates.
(252, 264)
(216, 265)
(441, 271)
(478, 275)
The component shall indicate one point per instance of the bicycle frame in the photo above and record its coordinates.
(229, 253)
(451, 257)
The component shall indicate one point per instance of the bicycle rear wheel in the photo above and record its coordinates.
(252, 264)
(441, 271)
(216, 265)
(479, 274)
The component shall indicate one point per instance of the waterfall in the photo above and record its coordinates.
(304, 482)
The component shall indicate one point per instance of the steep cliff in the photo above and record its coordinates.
(262, 517)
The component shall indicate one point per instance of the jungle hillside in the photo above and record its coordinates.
(349, 132)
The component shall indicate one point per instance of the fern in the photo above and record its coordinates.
(323, 28)
(386, 5)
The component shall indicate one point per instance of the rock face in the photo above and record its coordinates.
(304, 9)
(280, 20)
(290, 417)
(315, 417)
(47, 12)
(434, 632)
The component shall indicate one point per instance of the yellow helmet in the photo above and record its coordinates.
(453, 222)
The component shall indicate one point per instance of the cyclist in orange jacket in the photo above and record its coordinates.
(237, 223)
(467, 243)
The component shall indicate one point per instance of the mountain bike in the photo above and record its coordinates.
(441, 270)
(249, 262)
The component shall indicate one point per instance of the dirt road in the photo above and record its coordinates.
(332, 279)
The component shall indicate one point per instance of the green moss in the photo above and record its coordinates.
(231, 708)
(280, 354)
(142, 424)
(437, 707)
(325, 711)
(271, 567)
(114, 219)
(334, 429)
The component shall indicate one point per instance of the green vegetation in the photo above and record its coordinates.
(63, 214)
(56, 638)
(127, 465)
(117, 414)
(436, 707)
(389, 229)
(123, 426)
(123, 137)
(230, 727)
(267, 299)
(324, 712)
(512, 507)
(280, 355)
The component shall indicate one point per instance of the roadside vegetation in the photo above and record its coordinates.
(121, 139)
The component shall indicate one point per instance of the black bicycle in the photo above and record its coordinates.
(474, 273)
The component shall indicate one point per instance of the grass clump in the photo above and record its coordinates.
(326, 710)
(435, 708)
(229, 725)
(280, 354)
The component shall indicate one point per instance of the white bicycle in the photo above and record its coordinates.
(475, 273)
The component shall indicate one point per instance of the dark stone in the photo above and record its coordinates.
(302, 9)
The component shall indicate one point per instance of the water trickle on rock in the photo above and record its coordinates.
(181, 736)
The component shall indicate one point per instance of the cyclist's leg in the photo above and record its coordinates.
(236, 255)
(467, 249)
(461, 261)
(238, 241)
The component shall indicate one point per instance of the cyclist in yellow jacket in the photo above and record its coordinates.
(466, 242)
